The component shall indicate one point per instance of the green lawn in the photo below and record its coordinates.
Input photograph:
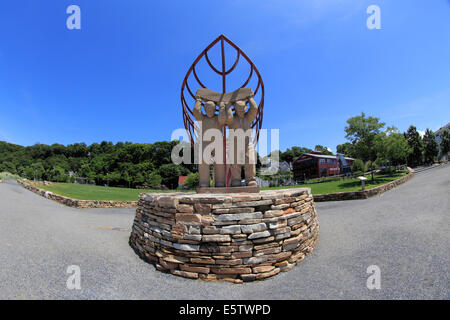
(89, 192)
(346, 185)
(8, 176)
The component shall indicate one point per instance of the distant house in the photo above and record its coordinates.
(444, 157)
(285, 166)
(282, 166)
(181, 181)
(272, 170)
(317, 165)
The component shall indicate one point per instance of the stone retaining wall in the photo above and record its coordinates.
(230, 237)
(339, 196)
(79, 204)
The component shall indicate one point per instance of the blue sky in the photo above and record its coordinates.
(119, 77)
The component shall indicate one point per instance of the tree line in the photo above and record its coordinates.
(149, 164)
(371, 142)
(121, 164)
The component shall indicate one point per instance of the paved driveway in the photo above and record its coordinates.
(406, 232)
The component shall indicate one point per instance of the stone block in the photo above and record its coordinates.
(205, 260)
(216, 238)
(226, 270)
(195, 269)
(186, 247)
(255, 260)
(192, 275)
(263, 240)
(280, 206)
(185, 208)
(202, 207)
(246, 248)
(263, 269)
(241, 254)
(241, 210)
(248, 277)
(288, 210)
(168, 201)
(265, 275)
(294, 221)
(257, 235)
(188, 218)
(195, 237)
(273, 213)
(229, 262)
(238, 216)
(251, 228)
(266, 251)
(220, 211)
(233, 229)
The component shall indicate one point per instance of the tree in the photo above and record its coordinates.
(38, 171)
(397, 148)
(358, 166)
(445, 141)
(192, 180)
(371, 166)
(323, 149)
(113, 178)
(57, 174)
(8, 166)
(415, 143)
(170, 173)
(345, 149)
(431, 149)
(293, 153)
(153, 180)
(361, 132)
(392, 147)
(87, 172)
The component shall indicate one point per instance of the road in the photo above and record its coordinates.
(405, 232)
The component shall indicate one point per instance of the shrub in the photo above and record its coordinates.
(358, 166)
(191, 180)
(371, 166)
(153, 180)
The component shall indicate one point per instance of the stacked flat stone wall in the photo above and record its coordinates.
(231, 237)
(79, 204)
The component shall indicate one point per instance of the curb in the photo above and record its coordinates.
(75, 203)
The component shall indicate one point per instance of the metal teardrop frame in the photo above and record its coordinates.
(187, 110)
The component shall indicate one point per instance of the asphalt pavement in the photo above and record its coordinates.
(405, 232)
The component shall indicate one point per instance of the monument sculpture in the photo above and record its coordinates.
(238, 149)
(227, 231)
(240, 142)
(241, 125)
(208, 122)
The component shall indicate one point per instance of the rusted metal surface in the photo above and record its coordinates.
(188, 97)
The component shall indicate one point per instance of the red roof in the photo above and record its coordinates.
(182, 180)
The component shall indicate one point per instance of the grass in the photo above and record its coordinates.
(90, 192)
(8, 176)
(345, 185)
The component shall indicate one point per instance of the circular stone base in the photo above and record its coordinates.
(233, 237)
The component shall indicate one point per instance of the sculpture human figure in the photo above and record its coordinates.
(244, 153)
(209, 122)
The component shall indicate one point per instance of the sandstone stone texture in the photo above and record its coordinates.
(225, 237)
